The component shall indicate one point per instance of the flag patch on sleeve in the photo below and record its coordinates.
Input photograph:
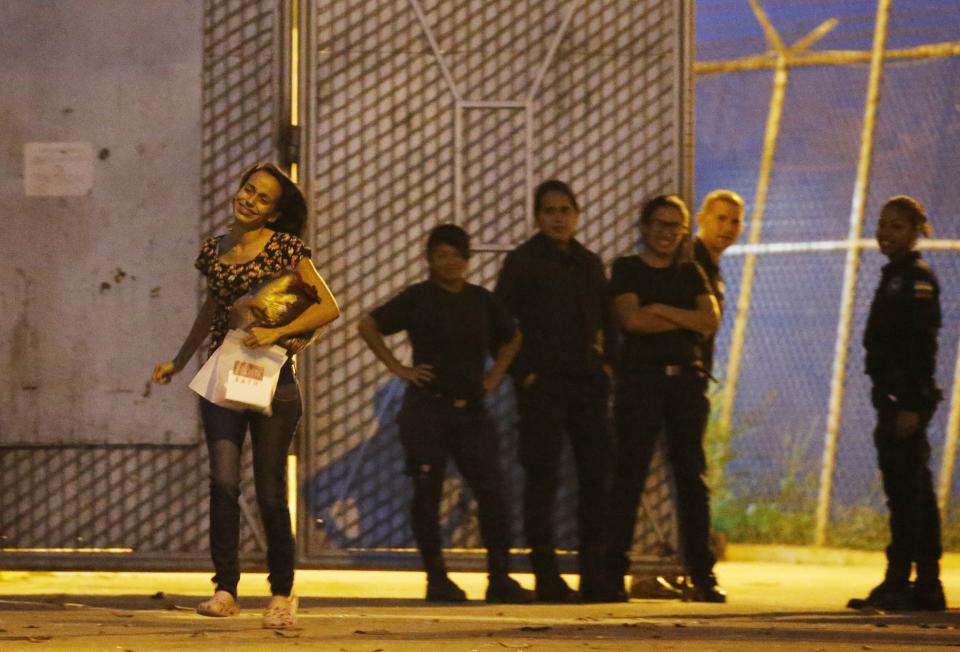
(922, 290)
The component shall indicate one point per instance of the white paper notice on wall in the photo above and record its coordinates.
(57, 169)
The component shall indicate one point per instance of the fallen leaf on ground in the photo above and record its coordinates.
(176, 607)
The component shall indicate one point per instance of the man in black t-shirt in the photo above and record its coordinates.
(453, 326)
(666, 310)
(555, 287)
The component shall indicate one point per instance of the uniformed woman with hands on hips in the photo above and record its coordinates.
(269, 214)
(901, 349)
(452, 326)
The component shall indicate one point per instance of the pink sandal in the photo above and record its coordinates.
(221, 605)
(281, 612)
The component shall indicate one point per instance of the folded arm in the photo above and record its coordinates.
(636, 319)
(705, 319)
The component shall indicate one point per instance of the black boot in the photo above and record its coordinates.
(704, 589)
(550, 586)
(894, 593)
(501, 588)
(615, 567)
(656, 587)
(596, 585)
(927, 590)
(444, 590)
(440, 588)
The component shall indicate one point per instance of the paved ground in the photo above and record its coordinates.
(773, 606)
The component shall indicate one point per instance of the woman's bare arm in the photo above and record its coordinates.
(198, 333)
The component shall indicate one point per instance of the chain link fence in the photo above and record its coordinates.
(772, 456)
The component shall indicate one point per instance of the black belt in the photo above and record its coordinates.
(458, 403)
(674, 370)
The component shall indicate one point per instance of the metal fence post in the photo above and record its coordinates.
(857, 210)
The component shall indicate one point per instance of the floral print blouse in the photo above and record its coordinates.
(228, 282)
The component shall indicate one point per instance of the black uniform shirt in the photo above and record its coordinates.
(715, 279)
(678, 285)
(451, 331)
(558, 298)
(901, 334)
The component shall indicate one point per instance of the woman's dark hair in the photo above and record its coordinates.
(552, 185)
(913, 210)
(663, 201)
(292, 205)
(449, 234)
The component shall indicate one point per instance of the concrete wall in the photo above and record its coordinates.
(96, 288)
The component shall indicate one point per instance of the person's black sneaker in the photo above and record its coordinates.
(445, 590)
(928, 596)
(887, 596)
(503, 589)
(552, 588)
(654, 588)
(602, 590)
(704, 591)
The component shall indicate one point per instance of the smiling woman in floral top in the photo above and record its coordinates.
(269, 214)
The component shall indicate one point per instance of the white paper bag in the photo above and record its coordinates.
(239, 377)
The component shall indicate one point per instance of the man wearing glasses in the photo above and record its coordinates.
(667, 311)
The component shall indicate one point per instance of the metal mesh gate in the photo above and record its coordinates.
(424, 112)
(147, 505)
(399, 142)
